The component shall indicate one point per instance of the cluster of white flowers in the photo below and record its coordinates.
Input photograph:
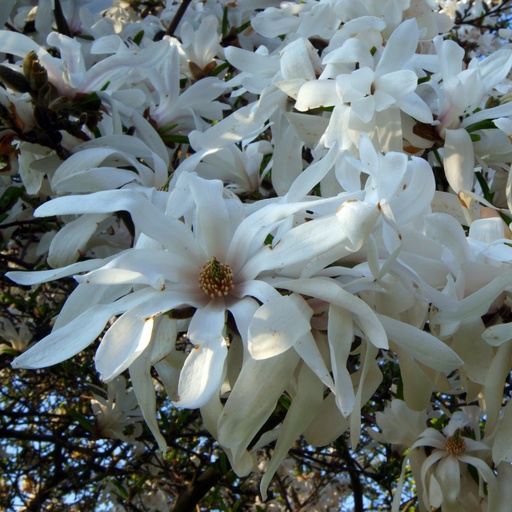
(303, 189)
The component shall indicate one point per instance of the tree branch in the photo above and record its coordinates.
(177, 18)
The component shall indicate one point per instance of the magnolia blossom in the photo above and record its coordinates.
(453, 452)
(116, 412)
(281, 199)
(372, 88)
(216, 273)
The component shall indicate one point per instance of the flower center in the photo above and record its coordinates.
(455, 445)
(216, 279)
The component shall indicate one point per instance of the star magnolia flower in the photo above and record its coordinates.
(116, 412)
(211, 265)
(462, 95)
(446, 468)
(365, 92)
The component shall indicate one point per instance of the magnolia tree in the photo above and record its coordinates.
(292, 217)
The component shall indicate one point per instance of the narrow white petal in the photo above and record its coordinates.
(328, 424)
(365, 109)
(80, 332)
(417, 386)
(202, 374)
(414, 106)
(309, 128)
(94, 180)
(400, 47)
(308, 350)
(502, 445)
(295, 60)
(18, 44)
(122, 344)
(304, 406)
(318, 93)
(65, 342)
(239, 125)
(277, 325)
(44, 276)
(357, 219)
(397, 83)
(369, 380)
(243, 310)
(421, 345)
(478, 303)
(207, 324)
(331, 292)
(341, 335)
(253, 398)
(212, 222)
(498, 334)
(488, 476)
(142, 382)
(459, 160)
(287, 160)
(493, 389)
(311, 176)
(146, 216)
(448, 474)
(71, 241)
(85, 159)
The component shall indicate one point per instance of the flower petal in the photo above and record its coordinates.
(202, 374)
(331, 292)
(341, 335)
(421, 345)
(399, 48)
(459, 160)
(253, 398)
(142, 382)
(502, 445)
(277, 325)
(122, 344)
(303, 409)
(73, 337)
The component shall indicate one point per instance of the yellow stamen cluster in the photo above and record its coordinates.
(456, 444)
(216, 279)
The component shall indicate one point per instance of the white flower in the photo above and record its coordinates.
(399, 425)
(17, 339)
(445, 476)
(214, 269)
(370, 93)
(116, 412)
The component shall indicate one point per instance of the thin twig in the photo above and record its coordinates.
(177, 18)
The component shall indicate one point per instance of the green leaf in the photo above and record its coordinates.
(241, 28)
(219, 69)
(138, 37)
(488, 195)
(9, 197)
(119, 486)
(140, 483)
(181, 139)
(225, 23)
(486, 124)
(81, 419)
(88, 102)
